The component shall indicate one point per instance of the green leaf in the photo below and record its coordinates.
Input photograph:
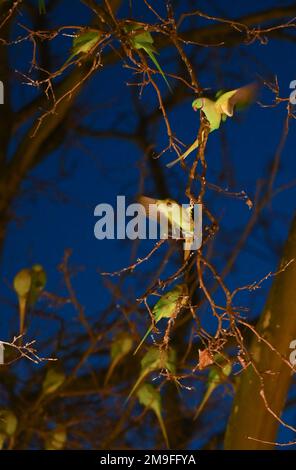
(53, 380)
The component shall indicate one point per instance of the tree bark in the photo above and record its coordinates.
(250, 416)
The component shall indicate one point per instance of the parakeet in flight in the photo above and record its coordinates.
(218, 110)
(144, 40)
(168, 305)
(176, 218)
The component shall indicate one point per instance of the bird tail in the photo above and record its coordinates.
(142, 340)
(163, 428)
(204, 401)
(156, 63)
(139, 380)
(22, 313)
(111, 369)
(185, 154)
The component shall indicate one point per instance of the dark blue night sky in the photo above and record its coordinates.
(56, 207)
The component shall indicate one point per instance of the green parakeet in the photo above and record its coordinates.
(53, 379)
(144, 40)
(150, 398)
(56, 439)
(83, 43)
(218, 110)
(155, 359)
(22, 286)
(28, 284)
(8, 425)
(38, 282)
(216, 377)
(176, 217)
(168, 305)
(120, 347)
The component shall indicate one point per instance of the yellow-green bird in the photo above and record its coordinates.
(217, 376)
(167, 306)
(121, 346)
(144, 40)
(176, 219)
(28, 285)
(8, 425)
(155, 359)
(217, 111)
(149, 397)
(83, 43)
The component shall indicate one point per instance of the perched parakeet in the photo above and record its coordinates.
(83, 43)
(216, 377)
(28, 284)
(150, 398)
(41, 5)
(155, 359)
(8, 425)
(22, 286)
(218, 110)
(120, 347)
(176, 218)
(168, 305)
(144, 40)
(53, 379)
(38, 282)
(56, 439)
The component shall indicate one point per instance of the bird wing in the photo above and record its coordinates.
(239, 97)
(212, 113)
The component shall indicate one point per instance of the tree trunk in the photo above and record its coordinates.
(250, 416)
